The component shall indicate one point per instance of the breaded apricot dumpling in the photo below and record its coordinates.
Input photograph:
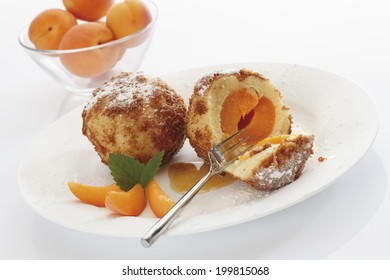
(226, 101)
(137, 115)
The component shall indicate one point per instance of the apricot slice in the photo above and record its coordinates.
(243, 109)
(130, 203)
(263, 120)
(269, 140)
(272, 140)
(91, 194)
(159, 201)
(235, 107)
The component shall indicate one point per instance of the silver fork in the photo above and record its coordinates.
(220, 157)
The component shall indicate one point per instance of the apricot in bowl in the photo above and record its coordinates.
(81, 64)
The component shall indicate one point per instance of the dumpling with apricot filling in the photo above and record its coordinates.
(224, 102)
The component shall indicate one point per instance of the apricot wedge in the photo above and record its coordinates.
(130, 203)
(159, 201)
(269, 140)
(243, 109)
(235, 107)
(272, 140)
(262, 121)
(94, 195)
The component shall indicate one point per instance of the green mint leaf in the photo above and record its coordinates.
(125, 170)
(151, 169)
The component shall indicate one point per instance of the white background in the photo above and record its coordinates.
(349, 220)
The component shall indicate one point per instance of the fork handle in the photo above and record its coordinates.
(161, 225)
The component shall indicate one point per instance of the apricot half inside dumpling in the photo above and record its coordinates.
(226, 101)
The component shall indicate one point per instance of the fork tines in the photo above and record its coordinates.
(229, 149)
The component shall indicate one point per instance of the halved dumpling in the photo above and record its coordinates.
(226, 101)
(274, 162)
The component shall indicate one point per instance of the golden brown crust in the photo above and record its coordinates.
(241, 74)
(201, 142)
(136, 115)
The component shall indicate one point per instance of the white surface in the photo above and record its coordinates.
(316, 98)
(349, 220)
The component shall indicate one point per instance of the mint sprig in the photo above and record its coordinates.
(128, 171)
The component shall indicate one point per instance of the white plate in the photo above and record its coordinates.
(342, 117)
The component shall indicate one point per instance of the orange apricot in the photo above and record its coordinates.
(88, 10)
(47, 29)
(130, 203)
(273, 140)
(262, 122)
(94, 195)
(89, 63)
(235, 107)
(269, 140)
(128, 17)
(243, 109)
(159, 201)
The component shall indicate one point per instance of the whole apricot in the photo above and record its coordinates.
(89, 63)
(128, 17)
(88, 10)
(47, 28)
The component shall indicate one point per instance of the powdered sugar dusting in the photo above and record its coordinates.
(125, 88)
(227, 71)
(276, 177)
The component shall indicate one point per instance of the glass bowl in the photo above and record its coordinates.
(81, 70)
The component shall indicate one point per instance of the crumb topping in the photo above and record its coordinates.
(137, 115)
(127, 89)
(285, 165)
(321, 159)
(241, 74)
